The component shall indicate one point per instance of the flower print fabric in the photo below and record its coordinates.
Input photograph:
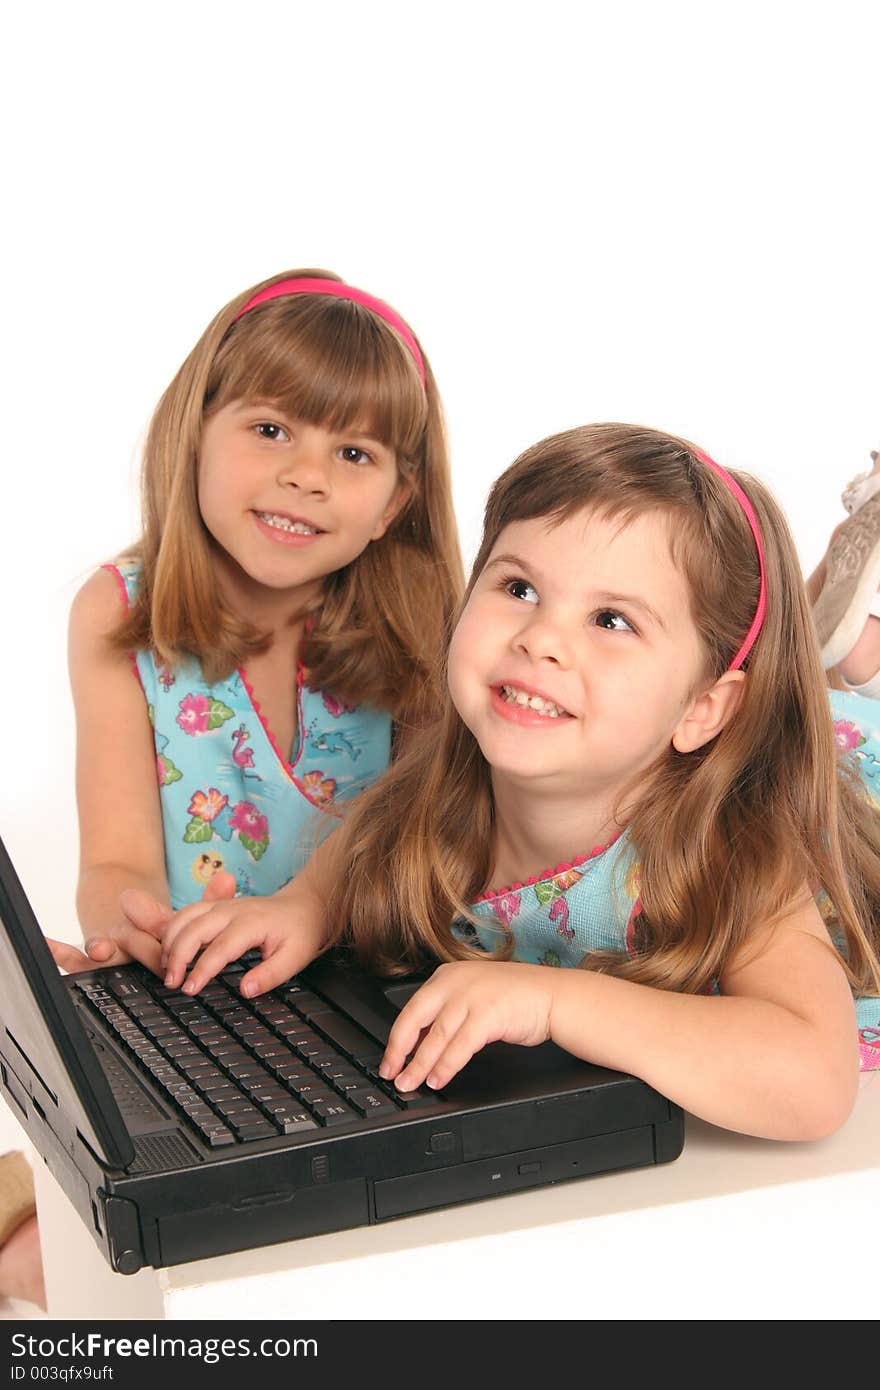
(856, 722)
(857, 732)
(559, 917)
(230, 798)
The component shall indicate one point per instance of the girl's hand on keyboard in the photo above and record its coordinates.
(464, 1006)
(285, 928)
(137, 937)
(133, 939)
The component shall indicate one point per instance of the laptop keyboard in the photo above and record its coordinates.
(239, 1069)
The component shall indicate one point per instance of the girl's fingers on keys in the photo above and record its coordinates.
(140, 946)
(224, 947)
(415, 1018)
(276, 968)
(180, 926)
(436, 1042)
(467, 1040)
(187, 944)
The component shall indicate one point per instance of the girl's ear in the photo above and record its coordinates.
(398, 500)
(708, 713)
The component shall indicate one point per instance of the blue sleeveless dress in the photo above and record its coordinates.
(230, 798)
(593, 903)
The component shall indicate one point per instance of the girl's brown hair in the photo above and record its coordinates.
(383, 617)
(728, 835)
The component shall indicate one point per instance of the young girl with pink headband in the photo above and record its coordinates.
(636, 775)
(250, 664)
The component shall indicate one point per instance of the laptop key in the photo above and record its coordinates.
(305, 1002)
(312, 1090)
(182, 1051)
(215, 1091)
(287, 1071)
(236, 1109)
(344, 1034)
(273, 1048)
(213, 993)
(371, 1102)
(410, 1100)
(225, 1046)
(295, 1124)
(216, 1138)
(296, 1028)
(287, 1106)
(198, 1111)
(199, 1070)
(125, 988)
(273, 1091)
(250, 1076)
(254, 1129)
(163, 1033)
(332, 1112)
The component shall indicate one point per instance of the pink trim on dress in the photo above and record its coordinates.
(132, 656)
(255, 705)
(300, 682)
(635, 914)
(287, 767)
(549, 873)
(117, 575)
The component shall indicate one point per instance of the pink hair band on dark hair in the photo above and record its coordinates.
(733, 485)
(315, 285)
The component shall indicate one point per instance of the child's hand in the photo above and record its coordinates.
(464, 1006)
(130, 940)
(71, 959)
(223, 931)
(138, 937)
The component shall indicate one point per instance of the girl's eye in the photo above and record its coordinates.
(267, 429)
(352, 454)
(521, 589)
(611, 621)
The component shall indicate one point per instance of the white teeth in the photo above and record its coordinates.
(283, 523)
(513, 696)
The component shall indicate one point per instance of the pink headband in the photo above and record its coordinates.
(749, 510)
(340, 291)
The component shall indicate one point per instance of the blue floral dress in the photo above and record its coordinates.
(593, 903)
(230, 798)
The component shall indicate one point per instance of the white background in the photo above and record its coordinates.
(656, 213)
(664, 213)
(652, 213)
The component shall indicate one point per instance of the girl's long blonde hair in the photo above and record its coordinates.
(727, 836)
(383, 617)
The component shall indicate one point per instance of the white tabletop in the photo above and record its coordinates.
(734, 1228)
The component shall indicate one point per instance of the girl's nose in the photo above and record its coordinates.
(306, 466)
(542, 639)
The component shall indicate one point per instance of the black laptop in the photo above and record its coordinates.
(182, 1127)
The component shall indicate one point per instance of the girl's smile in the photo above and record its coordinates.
(287, 530)
(524, 705)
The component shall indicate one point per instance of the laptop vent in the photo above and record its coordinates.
(156, 1153)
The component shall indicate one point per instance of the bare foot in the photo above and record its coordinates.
(21, 1265)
